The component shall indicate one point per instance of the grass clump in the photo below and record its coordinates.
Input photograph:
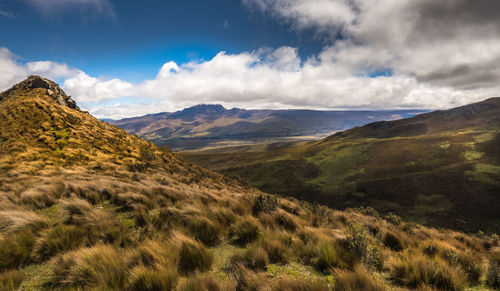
(415, 269)
(276, 250)
(59, 239)
(95, 267)
(393, 241)
(194, 257)
(285, 221)
(493, 274)
(244, 231)
(358, 279)
(328, 257)
(254, 257)
(201, 283)
(10, 280)
(206, 231)
(15, 250)
(146, 279)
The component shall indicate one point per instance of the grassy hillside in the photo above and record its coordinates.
(85, 206)
(204, 126)
(440, 168)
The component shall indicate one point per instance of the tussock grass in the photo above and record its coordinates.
(17, 220)
(146, 279)
(92, 267)
(203, 283)
(358, 279)
(206, 231)
(10, 280)
(59, 239)
(194, 257)
(244, 231)
(15, 249)
(414, 269)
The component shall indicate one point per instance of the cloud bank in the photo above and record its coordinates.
(391, 54)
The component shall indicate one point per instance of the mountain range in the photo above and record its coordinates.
(205, 125)
(438, 168)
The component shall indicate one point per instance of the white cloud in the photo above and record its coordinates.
(265, 78)
(448, 42)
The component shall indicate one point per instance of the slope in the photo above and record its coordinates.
(85, 206)
(213, 125)
(440, 168)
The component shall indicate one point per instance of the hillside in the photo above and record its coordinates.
(439, 168)
(86, 206)
(203, 125)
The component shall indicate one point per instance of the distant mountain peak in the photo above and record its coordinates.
(202, 109)
(53, 90)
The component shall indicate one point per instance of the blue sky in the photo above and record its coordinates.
(121, 58)
(133, 40)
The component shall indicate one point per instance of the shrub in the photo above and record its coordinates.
(299, 284)
(146, 279)
(285, 221)
(99, 266)
(194, 258)
(15, 250)
(493, 275)
(393, 218)
(357, 240)
(413, 270)
(359, 279)
(59, 239)
(393, 241)
(244, 232)
(10, 280)
(264, 203)
(206, 231)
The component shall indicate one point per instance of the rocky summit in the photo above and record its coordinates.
(53, 90)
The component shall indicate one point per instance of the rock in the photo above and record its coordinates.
(53, 90)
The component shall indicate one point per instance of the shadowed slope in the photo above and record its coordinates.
(440, 168)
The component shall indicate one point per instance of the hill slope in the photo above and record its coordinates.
(441, 168)
(213, 125)
(83, 205)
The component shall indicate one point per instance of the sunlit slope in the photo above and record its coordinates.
(440, 168)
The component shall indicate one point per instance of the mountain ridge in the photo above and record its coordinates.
(208, 125)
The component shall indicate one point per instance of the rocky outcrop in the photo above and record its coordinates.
(53, 90)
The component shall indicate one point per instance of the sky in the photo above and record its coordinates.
(123, 58)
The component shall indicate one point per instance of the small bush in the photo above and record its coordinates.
(393, 218)
(393, 241)
(59, 239)
(244, 232)
(357, 240)
(206, 231)
(10, 280)
(99, 266)
(264, 203)
(15, 250)
(146, 279)
(194, 258)
(493, 275)
(359, 279)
